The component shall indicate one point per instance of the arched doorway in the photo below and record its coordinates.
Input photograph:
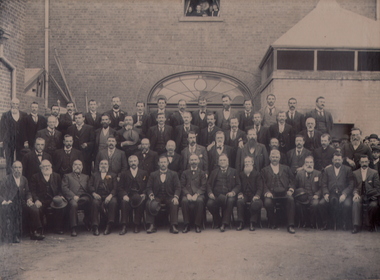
(191, 85)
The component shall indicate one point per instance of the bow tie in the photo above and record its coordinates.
(163, 172)
(219, 148)
(39, 154)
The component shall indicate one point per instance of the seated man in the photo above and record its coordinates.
(132, 182)
(337, 187)
(278, 182)
(366, 192)
(164, 187)
(193, 183)
(307, 193)
(251, 191)
(103, 187)
(15, 202)
(45, 187)
(222, 187)
(74, 188)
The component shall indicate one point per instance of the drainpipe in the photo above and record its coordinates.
(46, 53)
(377, 9)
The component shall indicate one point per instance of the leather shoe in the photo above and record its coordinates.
(59, 231)
(273, 226)
(36, 236)
(291, 229)
(240, 227)
(222, 228)
(198, 229)
(324, 227)
(355, 230)
(186, 229)
(108, 230)
(123, 230)
(251, 227)
(73, 232)
(173, 229)
(16, 239)
(136, 229)
(151, 229)
(95, 231)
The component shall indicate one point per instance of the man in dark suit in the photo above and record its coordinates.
(253, 149)
(30, 124)
(262, 132)
(10, 133)
(75, 190)
(116, 114)
(366, 192)
(32, 160)
(181, 132)
(175, 163)
(224, 115)
(103, 187)
(323, 118)
(207, 135)
(63, 159)
(324, 154)
(16, 204)
(160, 134)
(177, 116)
(117, 161)
(45, 187)
(164, 186)
(218, 149)
(148, 159)
(66, 120)
(235, 138)
(127, 137)
(84, 140)
(222, 187)
(296, 157)
(194, 148)
(92, 117)
(141, 119)
(251, 191)
(278, 182)
(274, 144)
(295, 118)
(102, 134)
(376, 158)
(161, 104)
(352, 151)
(132, 182)
(200, 115)
(307, 193)
(53, 138)
(283, 132)
(311, 135)
(246, 117)
(193, 182)
(337, 187)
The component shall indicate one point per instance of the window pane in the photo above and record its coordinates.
(336, 60)
(295, 60)
(369, 61)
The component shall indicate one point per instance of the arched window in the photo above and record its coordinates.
(191, 85)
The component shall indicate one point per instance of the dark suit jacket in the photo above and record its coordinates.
(312, 143)
(176, 119)
(295, 161)
(88, 119)
(143, 129)
(298, 123)
(220, 119)
(263, 136)
(9, 189)
(45, 191)
(286, 180)
(312, 185)
(65, 121)
(111, 132)
(115, 121)
(240, 135)
(323, 157)
(213, 156)
(251, 185)
(341, 184)
(116, 164)
(233, 179)
(198, 179)
(245, 122)
(202, 154)
(206, 138)
(348, 151)
(29, 128)
(10, 130)
(149, 163)
(72, 185)
(153, 118)
(287, 139)
(260, 157)
(31, 163)
(371, 183)
(58, 160)
(176, 163)
(172, 184)
(180, 134)
(198, 121)
(153, 135)
(110, 182)
(328, 118)
(126, 181)
(52, 143)
(85, 135)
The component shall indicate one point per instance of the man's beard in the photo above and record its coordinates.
(47, 172)
(248, 169)
(116, 106)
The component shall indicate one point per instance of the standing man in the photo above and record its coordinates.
(92, 117)
(30, 124)
(278, 182)
(373, 140)
(376, 158)
(200, 115)
(53, 138)
(10, 133)
(181, 131)
(296, 157)
(63, 159)
(148, 159)
(262, 132)
(235, 137)
(131, 193)
(32, 160)
(311, 135)
(116, 114)
(164, 187)
(222, 187)
(293, 117)
(193, 182)
(207, 134)
(140, 119)
(127, 137)
(102, 134)
(217, 150)
(324, 154)
(283, 132)
(177, 116)
(323, 118)
(161, 104)
(160, 134)
(246, 116)
(224, 116)
(269, 112)
(175, 163)
(66, 120)
(194, 148)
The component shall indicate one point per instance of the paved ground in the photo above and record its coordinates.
(263, 254)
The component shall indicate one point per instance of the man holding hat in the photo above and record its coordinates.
(75, 190)
(163, 187)
(222, 187)
(131, 193)
(46, 190)
(307, 193)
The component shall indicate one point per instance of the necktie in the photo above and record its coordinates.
(233, 135)
(35, 119)
(116, 115)
(291, 115)
(307, 175)
(246, 115)
(187, 129)
(67, 152)
(270, 111)
(170, 159)
(298, 153)
(310, 134)
(257, 129)
(138, 118)
(161, 129)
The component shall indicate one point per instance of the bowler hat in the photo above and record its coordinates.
(58, 202)
(376, 148)
(301, 196)
(334, 139)
(153, 207)
(373, 136)
(136, 200)
(24, 151)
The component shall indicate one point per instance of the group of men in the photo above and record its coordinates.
(103, 163)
